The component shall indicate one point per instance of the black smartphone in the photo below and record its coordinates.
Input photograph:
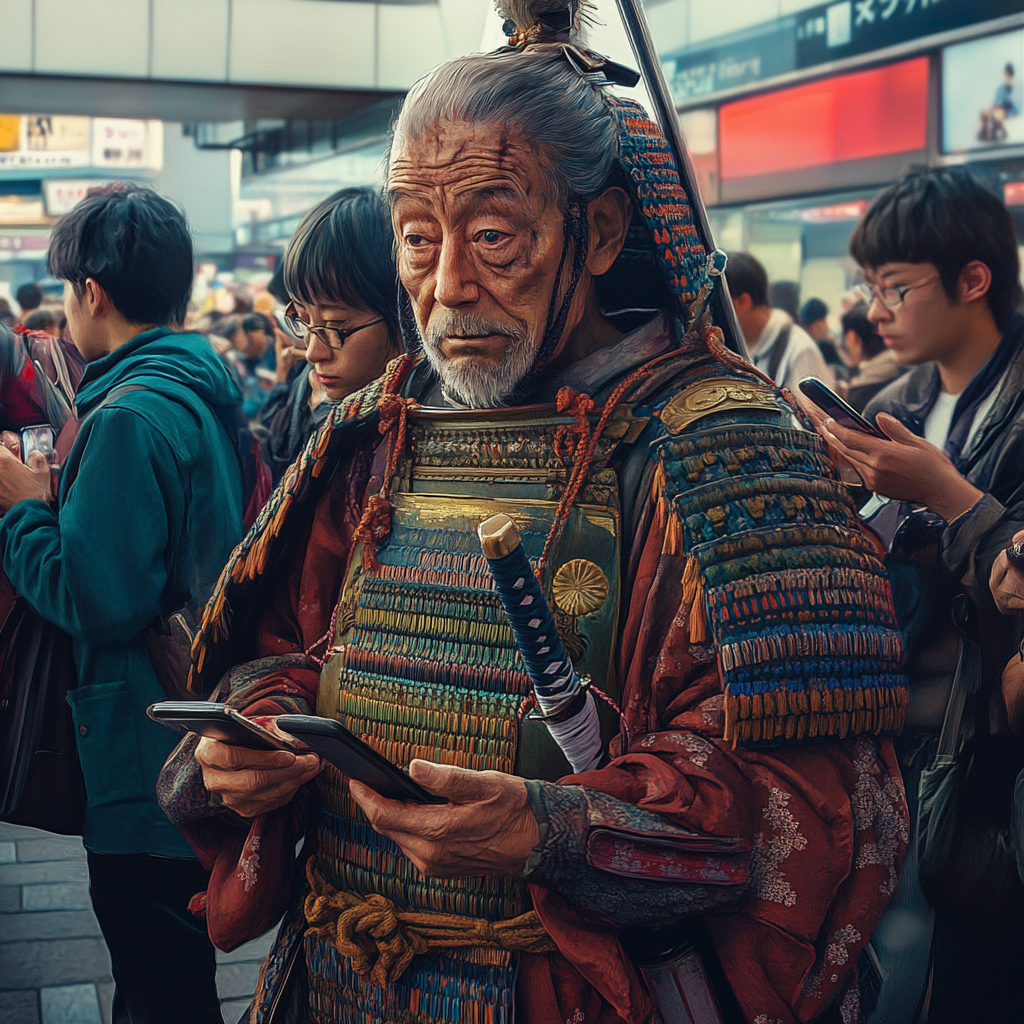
(37, 439)
(217, 721)
(354, 758)
(842, 412)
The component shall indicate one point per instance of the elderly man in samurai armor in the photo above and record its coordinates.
(705, 568)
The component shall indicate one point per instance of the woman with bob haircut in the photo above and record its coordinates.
(339, 273)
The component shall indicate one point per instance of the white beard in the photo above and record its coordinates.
(466, 379)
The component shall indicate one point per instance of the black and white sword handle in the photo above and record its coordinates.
(567, 707)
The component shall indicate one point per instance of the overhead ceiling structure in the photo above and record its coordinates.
(223, 60)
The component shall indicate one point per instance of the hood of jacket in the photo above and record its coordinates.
(165, 361)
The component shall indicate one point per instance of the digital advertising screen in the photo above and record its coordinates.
(981, 93)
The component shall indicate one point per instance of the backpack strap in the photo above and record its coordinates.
(778, 351)
(69, 432)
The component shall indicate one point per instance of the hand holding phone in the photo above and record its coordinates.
(247, 768)
(217, 722)
(842, 412)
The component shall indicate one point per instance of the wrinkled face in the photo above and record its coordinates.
(479, 237)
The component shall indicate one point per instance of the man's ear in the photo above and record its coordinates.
(95, 302)
(974, 282)
(742, 302)
(609, 216)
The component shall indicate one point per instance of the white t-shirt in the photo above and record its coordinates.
(801, 359)
(938, 422)
(940, 419)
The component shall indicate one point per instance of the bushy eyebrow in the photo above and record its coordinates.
(472, 193)
(490, 192)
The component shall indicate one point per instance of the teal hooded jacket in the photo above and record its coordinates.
(150, 507)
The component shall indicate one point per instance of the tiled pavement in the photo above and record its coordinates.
(54, 967)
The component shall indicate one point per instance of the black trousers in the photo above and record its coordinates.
(163, 961)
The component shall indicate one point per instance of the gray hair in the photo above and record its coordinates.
(536, 94)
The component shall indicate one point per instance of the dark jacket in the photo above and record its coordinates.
(286, 420)
(961, 557)
(148, 511)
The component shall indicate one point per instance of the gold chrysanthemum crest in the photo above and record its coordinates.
(579, 587)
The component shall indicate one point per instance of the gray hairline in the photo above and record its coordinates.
(430, 104)
(545, 165)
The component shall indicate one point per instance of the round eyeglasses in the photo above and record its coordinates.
(332, 337)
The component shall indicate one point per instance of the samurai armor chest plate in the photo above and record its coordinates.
(424, 662)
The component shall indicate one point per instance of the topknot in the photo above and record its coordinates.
(532, 22)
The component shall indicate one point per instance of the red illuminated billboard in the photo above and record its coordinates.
(880, 112)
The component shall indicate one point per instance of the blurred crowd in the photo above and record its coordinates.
(791, 340)
(282, 349)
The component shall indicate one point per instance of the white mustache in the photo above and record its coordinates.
(475, 384)
(452, 324)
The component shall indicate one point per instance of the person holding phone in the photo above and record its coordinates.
(149, 508)
(940, 255)
(340, 326)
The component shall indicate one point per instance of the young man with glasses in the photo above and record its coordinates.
(940, 254)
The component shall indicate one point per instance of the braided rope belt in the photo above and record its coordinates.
(381, 939)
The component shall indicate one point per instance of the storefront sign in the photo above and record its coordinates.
(818, 35)
(834, 212)
(120, 143)
(982, 103)
(63, 194)
(44, 133)
(863, 114)
(1013, 193)
(21, 210)
(44, 141)
(692, 75)
(859, 26)
(10, 132)
(25, 160)
(31, 246)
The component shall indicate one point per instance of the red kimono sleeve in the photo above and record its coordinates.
(252, 863)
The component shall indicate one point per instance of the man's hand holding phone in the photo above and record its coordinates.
(20, 482)
(904, 467)
(254, 782)
(891, 460)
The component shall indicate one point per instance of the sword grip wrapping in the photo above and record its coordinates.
(555, 680)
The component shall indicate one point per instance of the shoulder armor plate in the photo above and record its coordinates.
(714, 395)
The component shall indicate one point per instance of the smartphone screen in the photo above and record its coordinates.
(828, 401)
(37, 439)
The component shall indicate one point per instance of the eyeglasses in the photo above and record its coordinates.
(332, 337)
(892, 298)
